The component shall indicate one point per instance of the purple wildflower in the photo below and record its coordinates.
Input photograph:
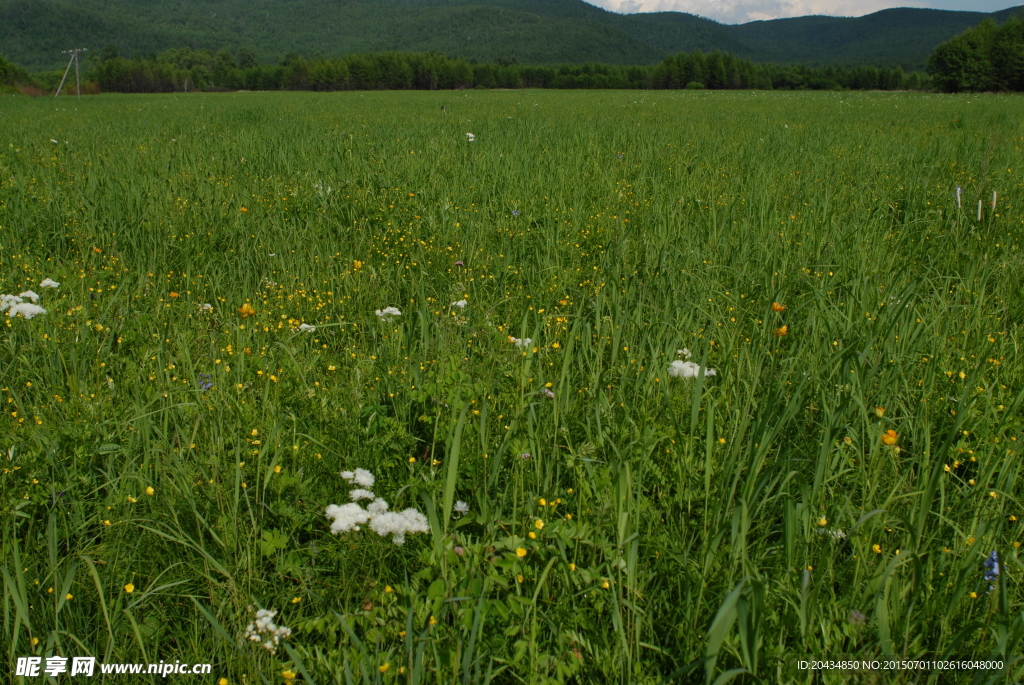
(205, 381)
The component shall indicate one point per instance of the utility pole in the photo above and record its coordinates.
(78, 79)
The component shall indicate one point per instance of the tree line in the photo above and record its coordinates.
(986, 57)
(186, 69)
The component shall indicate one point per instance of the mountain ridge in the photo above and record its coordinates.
(530, 31)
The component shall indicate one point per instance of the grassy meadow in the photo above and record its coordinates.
(833, 490)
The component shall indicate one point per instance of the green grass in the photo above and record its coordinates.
(682, 535)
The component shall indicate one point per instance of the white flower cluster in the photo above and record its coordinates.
(264, 631)
(470, 137)
(306, 328)
(521, 343)
(15, 305)
(349, 517)
(681, 369)
(206, 307)
(461, 304)
(388, 313)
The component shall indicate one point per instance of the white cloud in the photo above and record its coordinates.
(742, 11)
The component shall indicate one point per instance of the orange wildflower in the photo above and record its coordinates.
(776, 307)
(779, 332)
(246, 310)
(889, 437)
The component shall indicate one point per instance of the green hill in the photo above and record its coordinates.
(529, 31)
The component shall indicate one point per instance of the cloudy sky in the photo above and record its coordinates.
(742, 11)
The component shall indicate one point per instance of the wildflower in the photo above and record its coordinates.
(776, 307)
(992, 567)
(515, 212)
(398, 524)
(547, 392)
(246, 310)
(384, 668)
(681, 369)
(206, 307)
(150, 491)
(243, 210)
(49, 283)
(538, 524)
(605, 584)
(823, 521)
(347, 517)
(459, 263)
(461, 304)
(29, 295)
(25, 310)
(387, 313)
(461, 507)
(223, 681)
(356, 265)
(684, 353)
(779, 332)
(8, 301)
(857, 618)
(460, 551)
(470, 137)
(205, 381)
(264, 631)
(524, 455)
(876, 548)
(69, 597)
(173, 294)
(879, 412)
(889, 437)
(129, 588)
(306, 328)
(359, 494)
(520, 552)
(360, 477)
(521, 343)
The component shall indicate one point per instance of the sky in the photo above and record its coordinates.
(742, 11)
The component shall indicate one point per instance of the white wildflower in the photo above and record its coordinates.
(8, 301)
(26, 310)
(521, 343)
(359, 494)
(49, 283)
(29, 295)
(388, 313)
(53, 141)
(461, 304)
(264, 630)
(470, 137)
(346, 517)
(684, 353)
(461, 507)
(681, 369)
(206, 307)
(360, 477)
(349, 517)
(398, 524)
(306, 328)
